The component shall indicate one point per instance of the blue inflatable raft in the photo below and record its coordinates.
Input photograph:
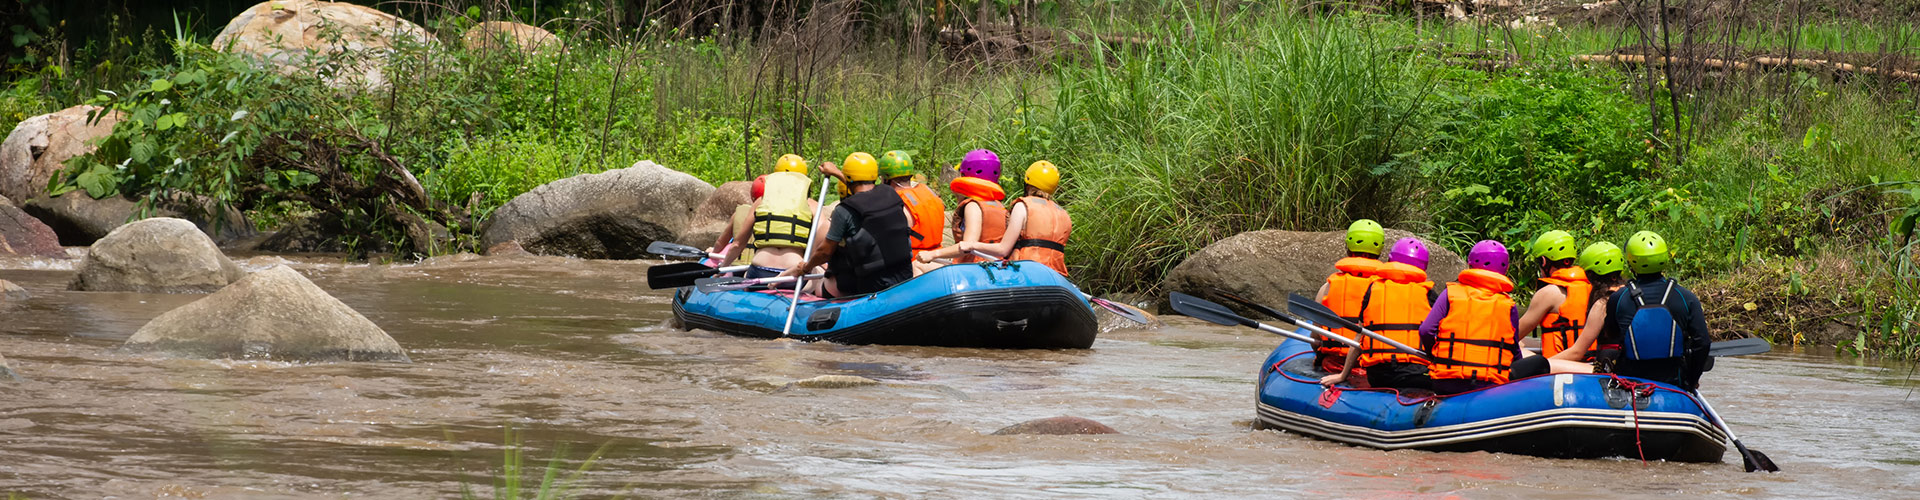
(1556, 416)
(1019, 305)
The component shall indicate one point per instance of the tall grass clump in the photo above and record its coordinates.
(555, 480)
(1267, 120)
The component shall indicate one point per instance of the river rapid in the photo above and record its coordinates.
(576, 357)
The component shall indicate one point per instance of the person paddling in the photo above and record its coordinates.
(927, 215)
(1472, 330)
(1659, 325)
(1345, 290)
(981, 217)
(735, 243)
(1043, 227)
(1604, 264)
(1559, 309)
(866, 248)
(782, 219)
(1397, 301)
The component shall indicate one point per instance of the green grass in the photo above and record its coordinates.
(556, 481)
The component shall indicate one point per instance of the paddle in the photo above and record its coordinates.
(676, 250)
(806, 258)
(1752, 459)
(1740, 347)
(681, 274)
(1203, 310)
(1127, 312)
(1317, 313)
(725, 283)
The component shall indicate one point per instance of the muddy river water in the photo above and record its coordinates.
(576, 357)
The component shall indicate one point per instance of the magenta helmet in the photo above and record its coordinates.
(1489, 255)
(981, 163)
(1409, 251)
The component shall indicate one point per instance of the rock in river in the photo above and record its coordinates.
(275, 313)
(608, 215)
(1266, 266)
(41, 145)
(158, 255)
(10, 292)
(21, 234)
(1057, 426)
(6, 372)
(713, 214)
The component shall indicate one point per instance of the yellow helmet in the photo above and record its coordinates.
(790, 163)
(861, 167)
(1043, 175)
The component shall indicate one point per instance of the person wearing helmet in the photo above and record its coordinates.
(782, 219)
(865, 247)
(981, 217)
(735, 243)
(1397, 301)
(1345, 290)
(1559, 309)
(1472, 330)
(1043, 227)
(927, 214)
(1659, 326)
(1604, 264)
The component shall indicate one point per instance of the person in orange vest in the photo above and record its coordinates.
(1345, 291)
(1472, 331)
(1397, 302)
(1604, 264)
(927, 222)
(1559, 309)
(981, 217)
(1043, 227)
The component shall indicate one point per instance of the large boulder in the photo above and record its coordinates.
(10, 292)
(286, 33)
(21, 234)
(1266, 266)
(498, 35)
(608, 215)
(158, 255)
(711, 217)
(81, 220)
(40, 146)
(275, 313)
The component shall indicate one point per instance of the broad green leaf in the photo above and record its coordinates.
(163, 123)
(162, 85)
(142, 151)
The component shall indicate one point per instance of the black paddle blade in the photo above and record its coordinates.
(1122, 310)
(1754, 460)
(1249, 304)
(677, 274)
(1740, 347)
(670, 249)
(1317, 313)
(1203, 310)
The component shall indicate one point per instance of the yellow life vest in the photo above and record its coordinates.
(783, 219)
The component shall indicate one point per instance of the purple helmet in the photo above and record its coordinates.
(1409, 251)
(981, 163)
(1489, 255)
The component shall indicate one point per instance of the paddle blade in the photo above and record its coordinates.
(721, 284)
(1122, 310)
(1740, 347)
(1317, 313)
(677, 250)
(1755, 460)
(1203, 310)
(1249, 304)
(677, 274)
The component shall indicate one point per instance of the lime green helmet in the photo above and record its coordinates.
(1647, 253)
(1601, 258)
(1366, 236)
(895, 163)
(1553, 245)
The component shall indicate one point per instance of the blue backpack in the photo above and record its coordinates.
(1653, 333)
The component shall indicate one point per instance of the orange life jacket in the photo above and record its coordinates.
(1044, 239)
(1395, 306)
(1346, 296)
(993, 225)
(1562, 326)
(1476, 339)
(929, 217)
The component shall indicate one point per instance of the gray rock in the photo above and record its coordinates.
(21, 234)
(275, 313)
(711, 217)
(609, 215)
(6, 372)
(41, 145)
(1266, 266)
(1056, 426)
(10, 292)
(289, 34)
(158, 255)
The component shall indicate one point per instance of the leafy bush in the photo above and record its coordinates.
(499, 168)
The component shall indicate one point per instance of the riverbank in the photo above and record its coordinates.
(1192, 127)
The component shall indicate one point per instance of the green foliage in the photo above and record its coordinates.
(502, 167)
(22, 99)
(511, 483)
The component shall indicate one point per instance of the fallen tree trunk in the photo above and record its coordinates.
(1762, 62)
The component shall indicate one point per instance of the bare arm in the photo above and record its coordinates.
(1016, 221)
(1353, 358)
(1545, 300)
(1321, 296)
(1596, 318)
(972, 215)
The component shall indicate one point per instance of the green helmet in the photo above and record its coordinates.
(1601, 258)
(895, 163)
(1554, 245)
(1366, 236)
(1647, 253)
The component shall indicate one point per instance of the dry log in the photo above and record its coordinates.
(1763, 62)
